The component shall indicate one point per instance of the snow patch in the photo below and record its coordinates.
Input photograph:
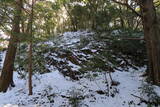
(2, 56)
(56, 84)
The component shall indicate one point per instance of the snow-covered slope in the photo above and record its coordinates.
(53, 90)
(69, 39)
(93, 89)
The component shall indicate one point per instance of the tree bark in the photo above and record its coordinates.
(30, 69)
(151, 33)
(30, 51)
(6, 78)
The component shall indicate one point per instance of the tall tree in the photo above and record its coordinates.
(30, 50)
(6, 78)
(151, 33)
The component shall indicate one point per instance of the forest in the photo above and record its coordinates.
(79, 53)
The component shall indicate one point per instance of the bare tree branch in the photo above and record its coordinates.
(128, 6)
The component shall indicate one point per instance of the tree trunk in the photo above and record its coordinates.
(30, 51)
(152, 37)
(6, 78)
(30, 69)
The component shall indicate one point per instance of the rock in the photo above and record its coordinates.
(115, 83)
(100, 92)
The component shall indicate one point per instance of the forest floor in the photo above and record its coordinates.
(74, 80)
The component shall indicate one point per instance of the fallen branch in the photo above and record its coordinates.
(145, 101)
(142, 99)
(125, 38)
(132, 38)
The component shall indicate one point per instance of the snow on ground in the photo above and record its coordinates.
(157, 90)
(2, 55)
(69, 38)
(53, 87)
(55, 90)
